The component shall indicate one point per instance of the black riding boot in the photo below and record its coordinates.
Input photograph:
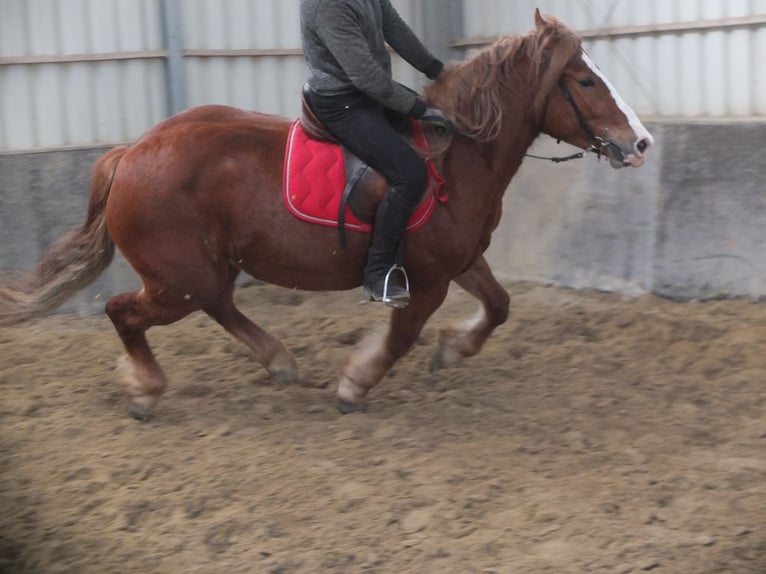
(384, 278)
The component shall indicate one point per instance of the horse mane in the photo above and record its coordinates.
(472, 92)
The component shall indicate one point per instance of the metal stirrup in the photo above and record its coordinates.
(385, 299)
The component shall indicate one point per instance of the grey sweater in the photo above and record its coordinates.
(344, 42)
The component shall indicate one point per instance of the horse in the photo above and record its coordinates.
(197, 200)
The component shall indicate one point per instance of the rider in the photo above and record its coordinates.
(350, 89)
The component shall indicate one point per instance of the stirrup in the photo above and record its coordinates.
(402, 296)
(397, 303)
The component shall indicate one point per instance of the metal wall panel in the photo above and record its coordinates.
(711, 73)
(268, 74)
(244, 53)
(62, 82)
(59, 86)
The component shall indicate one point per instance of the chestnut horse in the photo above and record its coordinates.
(198, 199)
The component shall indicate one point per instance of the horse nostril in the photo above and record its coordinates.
(642, 145)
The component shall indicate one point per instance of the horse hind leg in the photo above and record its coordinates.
(268, 350)
(460, 341)
(141, 376)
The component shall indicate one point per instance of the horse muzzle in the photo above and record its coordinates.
(621, 155)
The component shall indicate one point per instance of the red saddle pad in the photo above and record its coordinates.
(315, 176)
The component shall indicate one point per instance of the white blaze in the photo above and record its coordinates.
(641, 132)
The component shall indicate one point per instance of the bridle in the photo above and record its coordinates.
(598, 143)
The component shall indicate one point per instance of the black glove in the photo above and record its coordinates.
(436, 118)
(433, 69)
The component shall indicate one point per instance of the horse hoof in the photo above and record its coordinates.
(140, 408)
(286, 377)
(139, 412)
(347, 407)
(283, 369)
(437, 363)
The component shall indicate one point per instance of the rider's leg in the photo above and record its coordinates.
(363, 128)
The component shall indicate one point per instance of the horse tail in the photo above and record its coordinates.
(72, 262)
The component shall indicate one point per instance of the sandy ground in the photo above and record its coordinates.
(593, 434)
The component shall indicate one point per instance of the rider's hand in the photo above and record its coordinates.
(433, 69)
(436, 118)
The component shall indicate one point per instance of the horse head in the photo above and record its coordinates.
(579, 105)
(542, 82)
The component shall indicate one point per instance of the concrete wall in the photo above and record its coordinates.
(711, 237)
(42, 195)
(687, 225)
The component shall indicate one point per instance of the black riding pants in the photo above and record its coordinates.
(366, 129)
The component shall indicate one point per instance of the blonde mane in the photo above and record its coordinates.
(472, 92)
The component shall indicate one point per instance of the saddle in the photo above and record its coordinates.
(364, 188)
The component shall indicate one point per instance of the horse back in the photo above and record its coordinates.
(209, 167)
(202, 143)
(216, 121)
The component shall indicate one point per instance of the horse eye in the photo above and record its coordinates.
(587, 82)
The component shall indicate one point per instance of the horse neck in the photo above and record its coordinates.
(517, 89)
(519, 131)
(495, 163)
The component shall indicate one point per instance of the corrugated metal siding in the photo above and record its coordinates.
(246, 53)
(695, 73)
(77, 103)
(269, 82)
(271, 79)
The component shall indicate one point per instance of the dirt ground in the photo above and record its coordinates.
(594, 433)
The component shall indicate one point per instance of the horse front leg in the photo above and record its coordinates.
(462, 340)
(368, 364)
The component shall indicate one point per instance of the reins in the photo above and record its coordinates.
(554, 159)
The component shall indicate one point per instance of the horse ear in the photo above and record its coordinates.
(539, 20)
